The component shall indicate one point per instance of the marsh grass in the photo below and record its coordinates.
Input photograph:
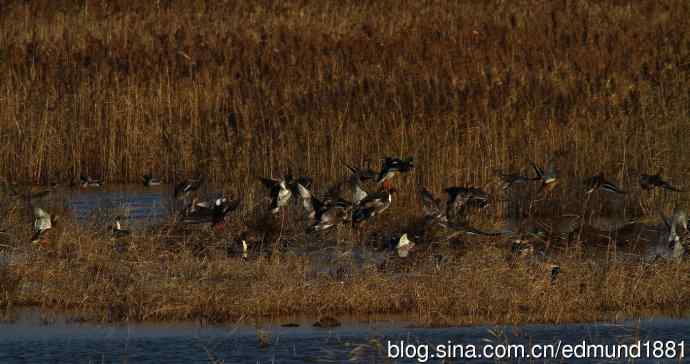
(481, 282)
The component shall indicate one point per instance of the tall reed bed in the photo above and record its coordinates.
(236, 90)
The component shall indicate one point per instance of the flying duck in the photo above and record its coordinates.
(432, 207)
(394, 166)
(458, 197)
(325, 214)
(510, 179)
(374, 204)
(186, 187)
(213, 212)
(598, 182)
(331, 216)
(361, 174)
(548, 176)
(279, 190)
(648, 182)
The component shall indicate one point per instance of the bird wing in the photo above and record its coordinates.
(430, 205)
(537, 170)
(308, 200)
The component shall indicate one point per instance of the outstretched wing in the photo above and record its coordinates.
(269, 183)
(430, 205)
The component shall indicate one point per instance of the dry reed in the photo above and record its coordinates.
(236, 90)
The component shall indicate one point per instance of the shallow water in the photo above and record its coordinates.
(137, 205)
(29, 339)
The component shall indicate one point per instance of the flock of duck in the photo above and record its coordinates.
(329, 210)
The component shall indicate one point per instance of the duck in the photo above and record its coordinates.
(87, 181)
(404, 246)
(186, 187)
(325, 214)
(150, 181)
(599, 182)
(212, 212)
(331, 216)
(458, 197)
(394, 166)
(510, 179)
(372, 205)
(43, 222)
(279, 190)
(361, 173)
(648, 182)
(433, 213)
(311, 204)
(669, 244)
(117, 230)
(548, 176)
(461, 197)
(358, 194)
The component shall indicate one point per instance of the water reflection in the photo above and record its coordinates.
(138, 204)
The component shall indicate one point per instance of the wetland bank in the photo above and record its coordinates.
(237, 91)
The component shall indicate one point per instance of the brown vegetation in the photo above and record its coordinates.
(237, 90)
(241, 89)
(478, 283)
